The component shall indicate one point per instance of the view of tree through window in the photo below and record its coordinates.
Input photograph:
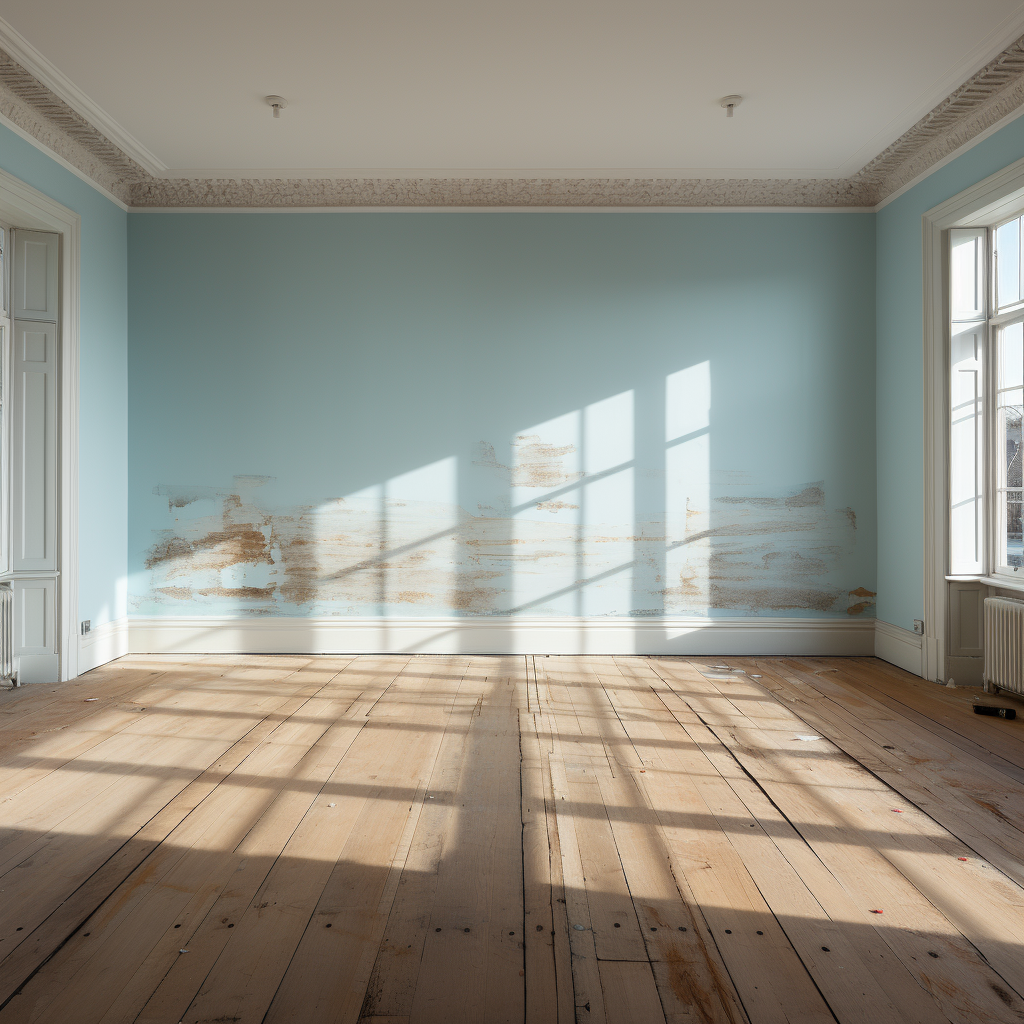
(1012, 437)
(1010, 414)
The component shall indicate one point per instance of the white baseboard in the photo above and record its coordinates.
(899, 647)
(102, 644)
(737, 636)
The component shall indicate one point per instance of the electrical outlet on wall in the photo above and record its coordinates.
(86, 626)
(919, 627)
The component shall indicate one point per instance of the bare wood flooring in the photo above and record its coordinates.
(547, 839)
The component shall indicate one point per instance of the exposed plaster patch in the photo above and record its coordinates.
(860, 600)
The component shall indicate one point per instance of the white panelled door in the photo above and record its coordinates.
(32, 392)
(34, 446)
(34, 268)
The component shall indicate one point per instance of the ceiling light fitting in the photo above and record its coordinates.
(730, 103)
(279, 103)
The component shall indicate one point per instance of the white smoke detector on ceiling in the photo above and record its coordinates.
(278, 103)
(730, 103)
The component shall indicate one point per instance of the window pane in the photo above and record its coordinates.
(965, 279)
(1011, 356)
(1012, 519)
(1011, 446)
(1008, 263)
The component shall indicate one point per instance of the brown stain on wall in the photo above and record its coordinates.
(861, 600)
(245, 593)
(477, 599)
(772, 598)
(241, 540)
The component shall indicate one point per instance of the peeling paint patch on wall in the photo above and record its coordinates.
(763, 553)
(368, 554)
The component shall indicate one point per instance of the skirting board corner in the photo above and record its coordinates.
(104, 643)
(899, 647)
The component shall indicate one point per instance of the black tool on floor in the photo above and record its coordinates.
(987, 709)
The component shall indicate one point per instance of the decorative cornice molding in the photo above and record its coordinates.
(988, 96)
(55, 81)
(995, 92)
(489, 192)
(40, 113)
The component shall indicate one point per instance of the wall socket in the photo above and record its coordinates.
(86, 626)
(919, 627)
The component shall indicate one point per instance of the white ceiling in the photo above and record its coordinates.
(477, 88)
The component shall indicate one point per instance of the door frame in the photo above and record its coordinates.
(22, 206)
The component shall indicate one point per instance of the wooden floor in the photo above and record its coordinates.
(548, 839)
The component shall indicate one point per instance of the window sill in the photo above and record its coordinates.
(1002, 582)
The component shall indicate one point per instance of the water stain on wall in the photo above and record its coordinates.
(535, 462)
(764, 553)
(860, 600)
(755, 553)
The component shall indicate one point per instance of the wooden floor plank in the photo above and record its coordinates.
(672, 925)
(828, 810)
(75, 910)
(565, 988)
(247, 973)
(951, 787)
(396, 969)
(844, 976)
(119, 794)
(349, 920)
(538, 916)
(472, 967)
(946, 711)
(117, 939)
(399, 839)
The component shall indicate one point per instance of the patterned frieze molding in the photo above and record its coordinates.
(980, 103)
(27, 103)
(463, 192)
(995, 92)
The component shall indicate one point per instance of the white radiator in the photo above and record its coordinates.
(1004, 645)
(6, 632)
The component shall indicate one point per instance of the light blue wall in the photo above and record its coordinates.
(478, 413)
(900, 357)
(103, 409)
(336, 354)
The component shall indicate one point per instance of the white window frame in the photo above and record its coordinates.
(992, 201)
(994, 482)
(5, 403)
(976, 551)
